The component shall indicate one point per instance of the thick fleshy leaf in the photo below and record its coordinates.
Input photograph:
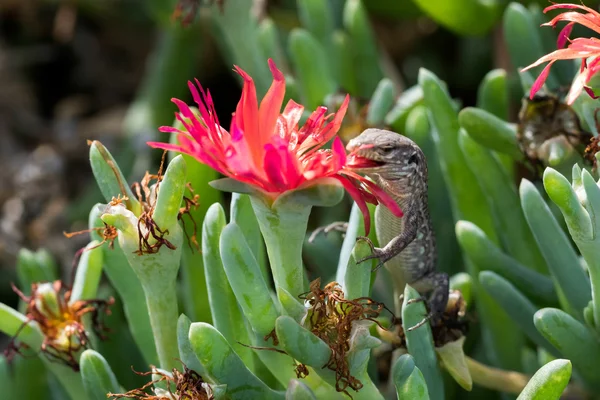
(89, 271)
(549, 382)
(246, 280)
(301, 344)
(224, 365)
(226, 312)
(518, 307)
(109, 177)
(364, 47)
(408, 379)
(467, 198)
(298, 390)
(574, 341)
(381, 102)
(490, 131)
(501, 193)
(407, 101)
(465, 17)
(563, 263)
(452, 357)
(311, 66)
(98, 378)
(492, 94)
(419, 343)
(486, 254)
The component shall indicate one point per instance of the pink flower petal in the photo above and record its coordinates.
(539, 82)
(272, 166)
(246, 117)
(563, 36)
(270, 106)
(358, 199)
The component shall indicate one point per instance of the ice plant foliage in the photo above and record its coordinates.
(588, 49)
(265, 148)
(61, 321)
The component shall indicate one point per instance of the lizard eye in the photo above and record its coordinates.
(387, 149)
(413, 159)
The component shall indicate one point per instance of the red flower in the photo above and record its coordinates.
(583, 48)
(266, 149)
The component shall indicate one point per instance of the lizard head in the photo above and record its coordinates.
(387, 155)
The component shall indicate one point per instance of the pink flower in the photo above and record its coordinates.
(583, 48)
(266, 149)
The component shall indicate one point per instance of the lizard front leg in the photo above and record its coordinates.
(393, 248)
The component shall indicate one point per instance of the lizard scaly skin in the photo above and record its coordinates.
(399, 167)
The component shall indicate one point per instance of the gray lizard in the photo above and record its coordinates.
(399, 167)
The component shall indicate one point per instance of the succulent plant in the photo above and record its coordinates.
(205, 301)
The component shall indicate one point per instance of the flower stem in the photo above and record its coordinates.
(162, 308)
(283, 229)
(496, 379)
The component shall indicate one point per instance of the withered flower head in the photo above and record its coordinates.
(188, 385)
(590, 152)
(146, 193)
(546, 121)
(330, 317)
(60, 321)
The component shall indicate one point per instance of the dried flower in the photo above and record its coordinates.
(265, 148)
(588, 49)
(331, 317)
(61, 321)
(188, 385)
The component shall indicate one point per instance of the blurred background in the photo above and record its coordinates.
(76, 70)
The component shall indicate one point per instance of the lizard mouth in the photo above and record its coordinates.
(356, 161)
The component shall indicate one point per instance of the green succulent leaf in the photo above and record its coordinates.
(109, 177)
(569, 279)
(408, 379)
(419, 342)
(522, 36)
(516, 305)
(490, 131)
(186, 352)
(466, 196)
(549, 382)
(301, 344)
(246, 280)
(225, 366)
(364, 47)
(465, 17)
(501, 193)
(97, 376)
(309, 58)
(407, 101)
(381, 102)
(492, 94)
(574, 341)
(485, 253)
(89, 272)
(297, 390)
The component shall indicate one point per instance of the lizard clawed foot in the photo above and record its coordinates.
(415, 300)
(377, 253)
(335, 226)
(422, 322)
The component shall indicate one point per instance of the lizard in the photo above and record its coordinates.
(399, 167)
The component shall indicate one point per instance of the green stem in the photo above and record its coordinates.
(161, 298)
(283, 228)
